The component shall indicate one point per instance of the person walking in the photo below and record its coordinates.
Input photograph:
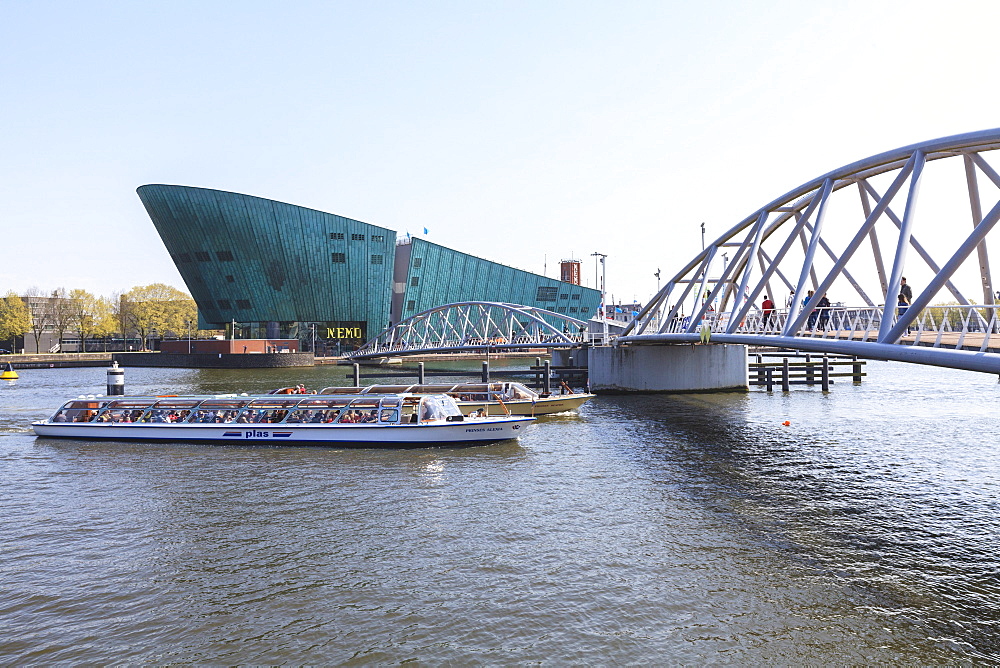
(768, 307)
(823, 306)
(902, 303)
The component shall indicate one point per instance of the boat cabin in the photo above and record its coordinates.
(381, 409)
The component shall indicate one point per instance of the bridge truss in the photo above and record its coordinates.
(475, 326)
(849, 234)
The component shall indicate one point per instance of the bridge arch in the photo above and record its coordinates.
(923, 212)
(475, 325)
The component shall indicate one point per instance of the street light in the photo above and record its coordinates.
(189, 335)
(604, 306)
(314, 339)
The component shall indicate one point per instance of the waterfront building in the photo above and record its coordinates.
(276, 270)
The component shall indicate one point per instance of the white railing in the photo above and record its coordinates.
(969, 327)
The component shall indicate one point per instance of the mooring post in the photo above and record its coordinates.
(420, 373)
(486, 372)
(770, 379)
(809, 370)
(857, 371)
(784, 374)
(547, 386)
(357, 375)
(760, 369)
(825, 378)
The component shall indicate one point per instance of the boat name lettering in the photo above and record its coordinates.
(256, 434)
(484, 429)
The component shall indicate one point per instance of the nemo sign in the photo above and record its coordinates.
(343, 333)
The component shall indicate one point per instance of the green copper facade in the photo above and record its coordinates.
(276, 269)
(437, 275)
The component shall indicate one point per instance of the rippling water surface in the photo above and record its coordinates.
(683, 529)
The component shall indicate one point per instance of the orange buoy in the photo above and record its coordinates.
(786, 423)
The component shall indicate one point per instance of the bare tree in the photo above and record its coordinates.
(37, 301)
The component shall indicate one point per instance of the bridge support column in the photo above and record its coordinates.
(668, 368)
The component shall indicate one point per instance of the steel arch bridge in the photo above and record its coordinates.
(850, 233)
(475, 326)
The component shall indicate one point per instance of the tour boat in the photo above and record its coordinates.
(385, 420)
(482, 398)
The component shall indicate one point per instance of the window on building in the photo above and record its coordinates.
(576, 297)
(378, 238)
(338, 258)
(416, 263)
(203, 256)
(230, 279)
(224, 304)
(584, 309)
(546, 294)
(415, 281)
(357, 237)
(242, 303)
(572, 309)
(561, 309)
(376, 259)
(410, 305)
(224, 256)
(184, 257)
(337, 236)
(563, 296)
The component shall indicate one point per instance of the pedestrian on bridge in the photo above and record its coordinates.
(823, 306)
(768, 307)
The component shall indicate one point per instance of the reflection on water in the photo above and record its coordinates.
(648, 529)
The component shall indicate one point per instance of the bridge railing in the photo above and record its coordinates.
(970, 327)
(379, 348)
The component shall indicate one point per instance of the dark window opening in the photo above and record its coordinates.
(337, 235)
(376, 259)
(577, 297)
(410, 305)
(563, 296)
(230, 279)
(415, 281)
(224, 256)
(416, 263)
(338, 257)
(202, 256)
(242, 303)
(357, 237)
(224, 304)
(378, 238)
(184, 257)
(546, 294)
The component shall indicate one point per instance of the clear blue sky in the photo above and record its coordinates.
(516, 131)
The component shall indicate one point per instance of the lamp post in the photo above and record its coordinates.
(657, 274)
(189, 335)
(314, 339)
(604, 316)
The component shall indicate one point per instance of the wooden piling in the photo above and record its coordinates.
(784, 375)
(825, 378)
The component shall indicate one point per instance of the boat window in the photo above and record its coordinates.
(389, 415)
(438, 407)
(273, 403)
(164, 415)
(359, 415)
(214, 415)
(177, 403)
(324, 403)
(390, 401)
(366, 402)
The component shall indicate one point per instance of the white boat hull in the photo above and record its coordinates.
(343, 435)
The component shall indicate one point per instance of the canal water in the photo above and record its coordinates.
(646, 529)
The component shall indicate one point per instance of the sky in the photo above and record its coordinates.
(522, 132)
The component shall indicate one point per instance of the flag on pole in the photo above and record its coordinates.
(425, 230)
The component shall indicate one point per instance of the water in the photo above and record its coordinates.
(651, 529)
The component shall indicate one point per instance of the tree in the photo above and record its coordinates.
(15, 319)
(41, 313)
(156, 307)
(64, 313)
(91, 315)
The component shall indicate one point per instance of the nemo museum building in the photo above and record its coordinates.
(275, 270)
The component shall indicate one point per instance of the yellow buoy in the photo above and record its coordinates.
(8, 373)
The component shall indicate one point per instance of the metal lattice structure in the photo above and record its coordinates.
(475, 326)
(850, 233)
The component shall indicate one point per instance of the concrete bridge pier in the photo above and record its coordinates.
(668, 368)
